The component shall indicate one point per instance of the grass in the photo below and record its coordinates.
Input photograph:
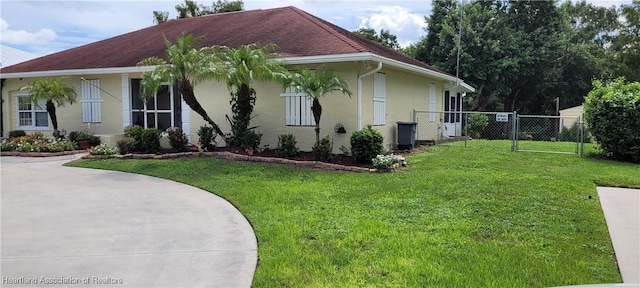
(480, 216)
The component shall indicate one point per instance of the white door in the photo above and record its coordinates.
(452, 115)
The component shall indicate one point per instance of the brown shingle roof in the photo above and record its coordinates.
(295, 32)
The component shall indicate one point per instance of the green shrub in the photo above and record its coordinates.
(206, 138)
(323, 150)
(94, 140)
(150, 141)
(17, 133)
(251, 140)
(384, 162)
(75, 136)
(476, 123)
(287, 146)
(366, 144)
(612, 113)
(127, 145)
(177, 138)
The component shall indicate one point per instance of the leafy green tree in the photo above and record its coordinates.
(53, 90)
(190, 9)
(509, 50)
(239, 68)
(188, 66)
(227, 6)
(385, 37)
(626, 45)
(317, 84)
(586, 57)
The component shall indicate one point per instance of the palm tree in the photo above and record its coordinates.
(55, 91)
(239, 68)
(317, 84)
(188, 66)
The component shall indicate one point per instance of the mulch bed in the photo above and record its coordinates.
(338, 162)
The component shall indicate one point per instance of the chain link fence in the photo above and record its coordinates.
(556, 134)
(533, 133)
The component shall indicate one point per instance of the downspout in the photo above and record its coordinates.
(1, 109)
(360, 92)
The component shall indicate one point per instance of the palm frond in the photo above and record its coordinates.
(51, 89)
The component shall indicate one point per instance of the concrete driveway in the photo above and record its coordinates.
(77, 227)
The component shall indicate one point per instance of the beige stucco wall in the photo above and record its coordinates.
(70, 116)
(269, 112)
(404, 92)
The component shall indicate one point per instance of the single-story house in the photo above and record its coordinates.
(386, 85)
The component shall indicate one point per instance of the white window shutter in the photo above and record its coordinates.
(91, 101)
(432, 102)
(379, 98)
(297, 108)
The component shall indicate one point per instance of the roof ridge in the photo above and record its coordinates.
(317, 21)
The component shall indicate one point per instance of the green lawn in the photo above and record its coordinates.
(481, 216)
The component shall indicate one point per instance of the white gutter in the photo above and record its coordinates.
(360, 92)
(76, 72)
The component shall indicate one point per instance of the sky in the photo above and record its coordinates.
(44, 27)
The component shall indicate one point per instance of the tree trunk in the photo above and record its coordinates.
(51, 109)
(186, 89)
(316, 108)
(244, 103)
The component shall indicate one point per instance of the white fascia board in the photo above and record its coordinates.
(78, 72)
(367, 56)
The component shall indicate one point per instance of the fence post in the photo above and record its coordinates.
(582, 135)
(514, 132)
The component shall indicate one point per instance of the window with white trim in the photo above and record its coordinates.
(91, 101)
(379, 98)
(156, 112)
(297, 107)
(432, 103)
(31, 115)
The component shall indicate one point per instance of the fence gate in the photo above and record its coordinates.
(551, 134)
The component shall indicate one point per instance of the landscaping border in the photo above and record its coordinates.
(224, 155)
(41, 154)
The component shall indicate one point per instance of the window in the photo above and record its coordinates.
(379, 98)
(91, 101)
(32, 115)
(297, 108)
(432, 102)
(156, 112)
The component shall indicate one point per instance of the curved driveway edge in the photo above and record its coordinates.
(79, 227)
(621, 209)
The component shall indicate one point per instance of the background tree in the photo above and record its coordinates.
(317, 84)
(192, 9)
(188, 66)
(385, 37)
(626, 45)
(227, 6)
(586, 57)
(53, 90)
(239, 68)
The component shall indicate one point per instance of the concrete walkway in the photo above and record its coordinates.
(622, 211)
(74, 227)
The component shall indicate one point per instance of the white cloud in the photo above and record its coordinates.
(407, 26)
(10, 36)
